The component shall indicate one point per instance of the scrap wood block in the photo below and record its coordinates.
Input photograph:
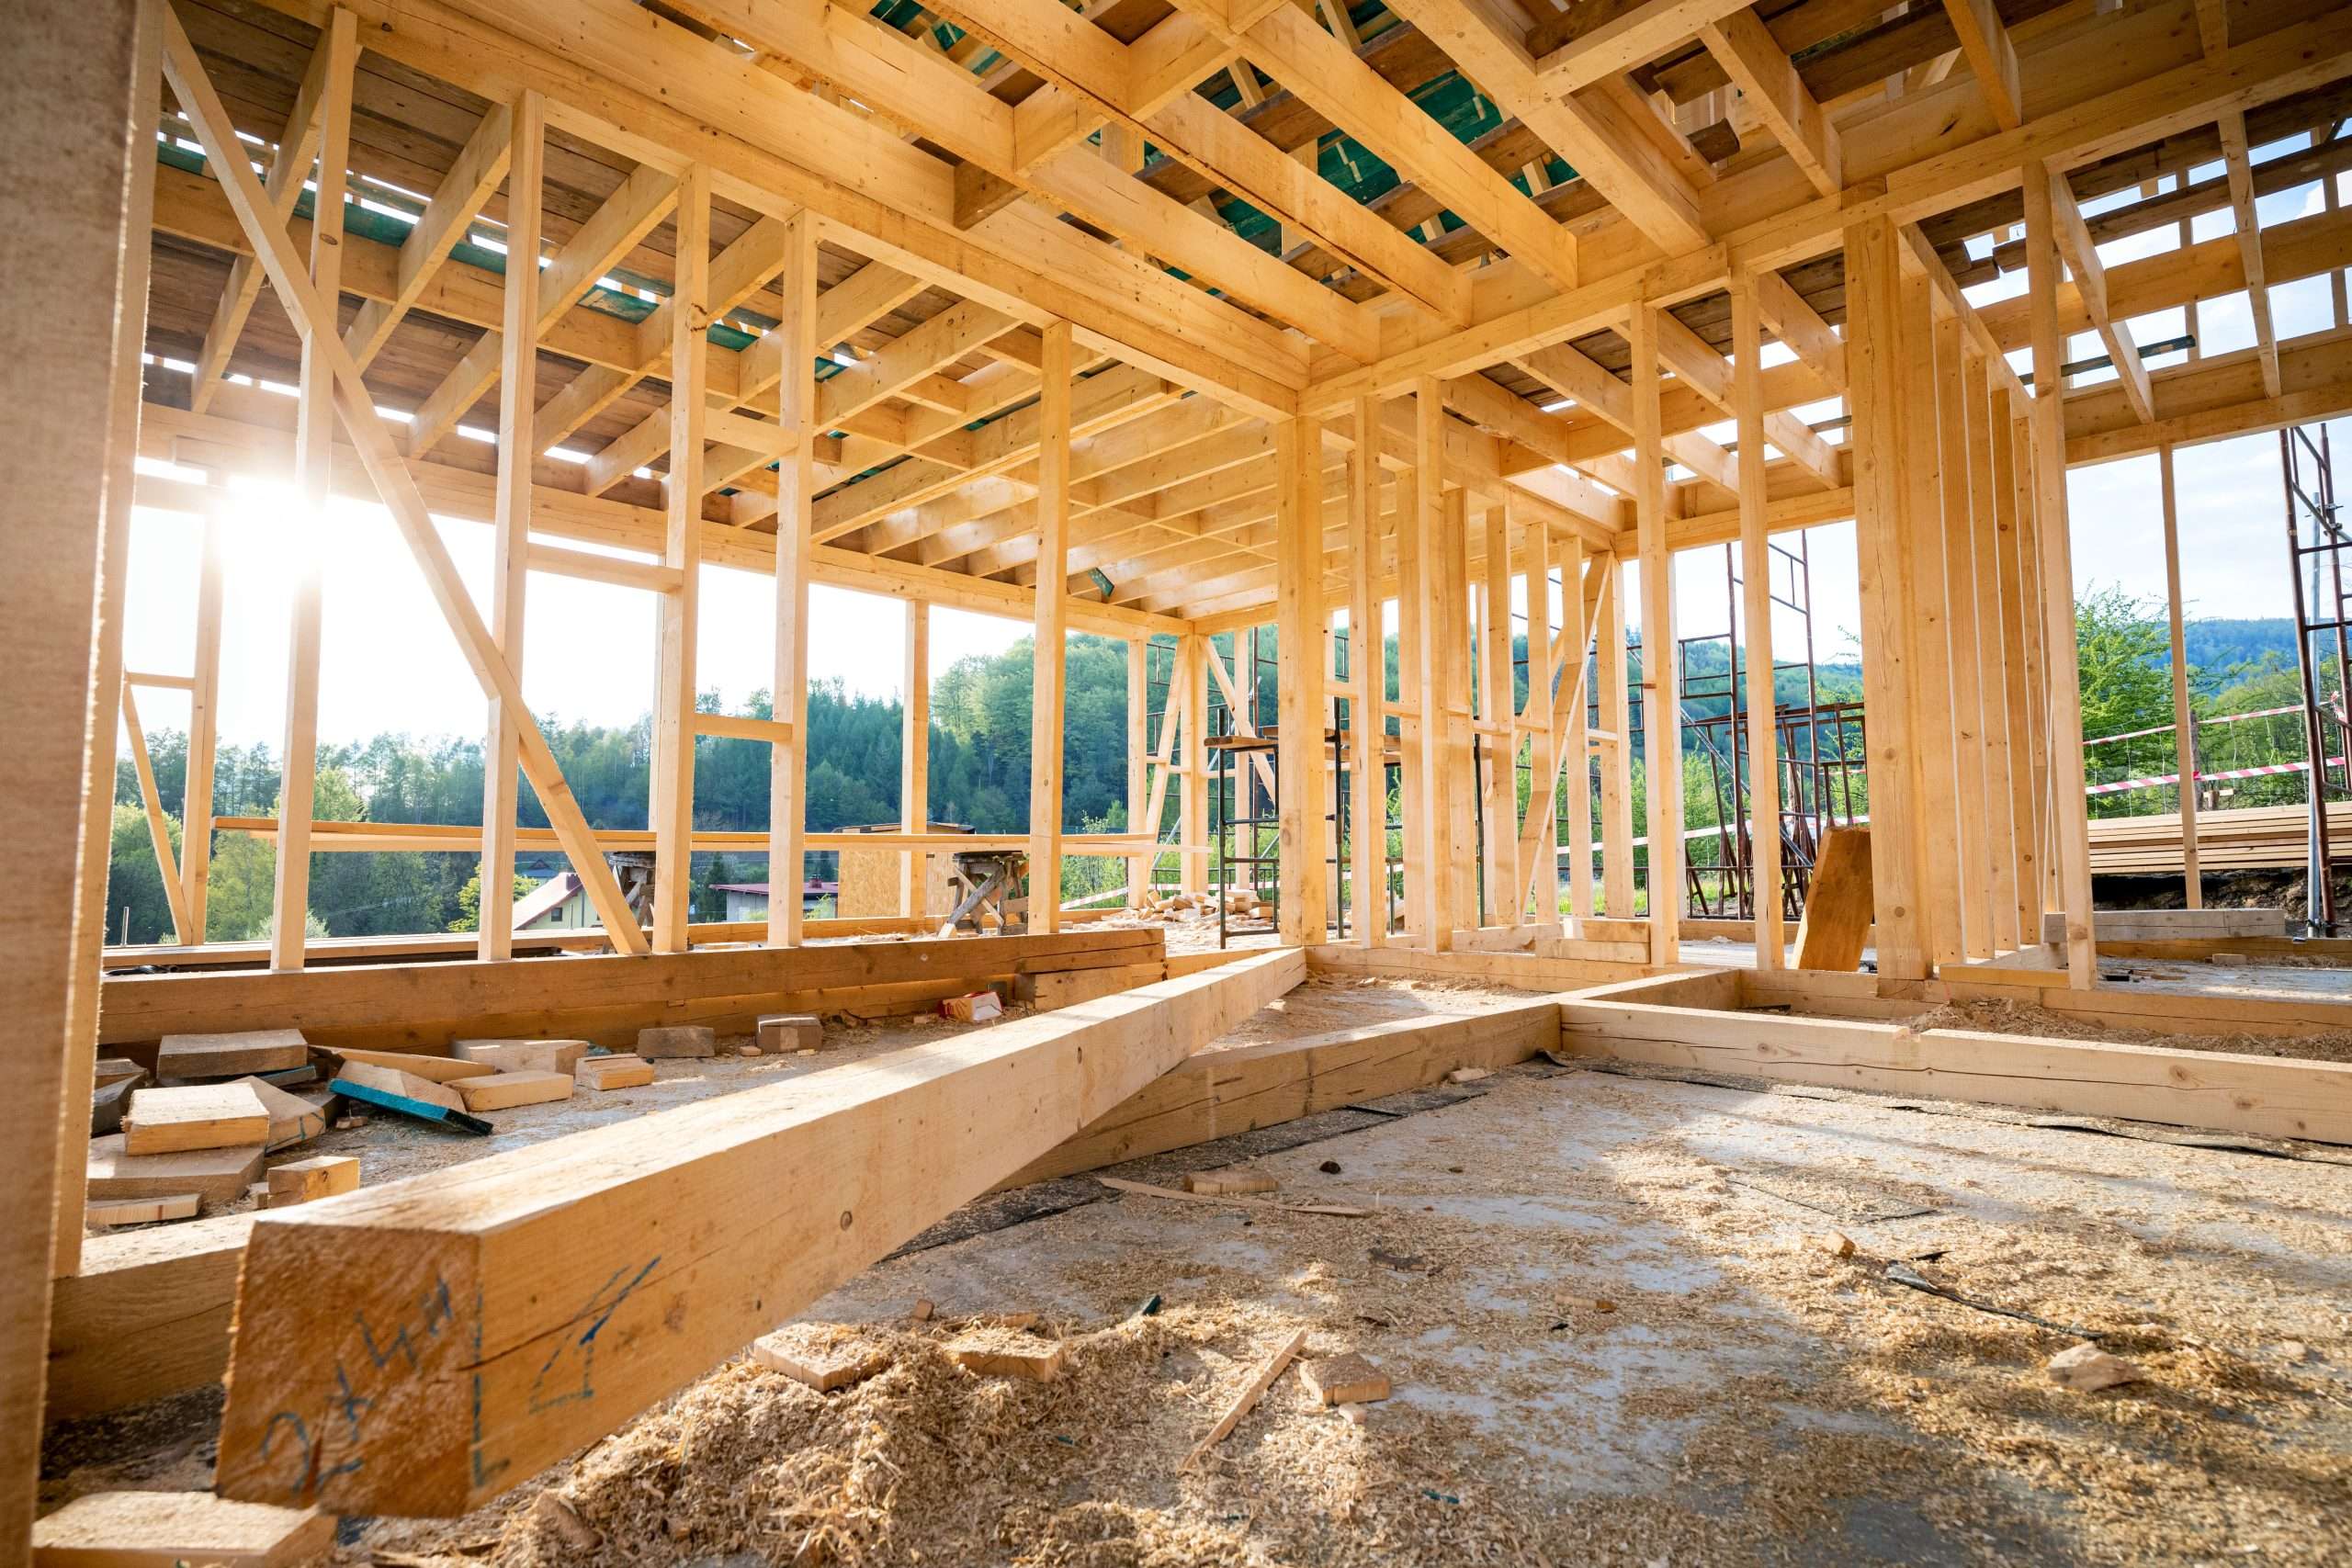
(114, 1069)
(500, 1091)
(783, 1032)
(1839, 905)
(614, 1072)
(1006, 1353)
(304, 1180)
(197, 1116)
(408, 1085)
(824, 1355)
(218, 1177)
(291, 1118)
(1345, 1380)
(677, 1040)
(433, 1069)
(1230, 1181)
(108, 1102)
(523, 1056)
(136, 1529)
(142, 1210)
(231, 1055)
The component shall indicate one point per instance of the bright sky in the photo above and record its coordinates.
(390, 665)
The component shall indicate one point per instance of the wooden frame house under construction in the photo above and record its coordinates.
(1380, 330)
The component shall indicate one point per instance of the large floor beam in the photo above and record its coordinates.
(423, 1348)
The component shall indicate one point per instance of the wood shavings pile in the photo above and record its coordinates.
(1749, 1396)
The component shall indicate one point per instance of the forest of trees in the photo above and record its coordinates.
(979, 771)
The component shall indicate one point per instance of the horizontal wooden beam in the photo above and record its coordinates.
(416, 1350)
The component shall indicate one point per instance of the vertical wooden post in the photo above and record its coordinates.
(1421, 625)
(1192, 688)
(1454, 612)
(914, 758)
(313, 465)
(77, 114)
(1544, 751)
(1138, 766)
(2070, 811)
(2183, 720)
(1928, 654)
(1874, 382)
(673, 721)
(795, 490)
(1964, 629)
(1756, 609)
(203, 736)
(511, 544)
(2037, 659)
(1997, 653)
(1617, 751)
(1368, 685)
(106, 687)
(1050, 671)
(1577, 633)
(1661, 675)
(1300, 625)
(2017, 635)
(1499, 714)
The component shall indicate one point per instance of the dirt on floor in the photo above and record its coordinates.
(1623, 1326)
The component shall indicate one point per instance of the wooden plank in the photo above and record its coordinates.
(198, 1116)
(142, 1210)
(511, 549)
(1247, 1400)
(1302, 626)
(1874, 366)
(489, 1266)
(674, 690)
(307, 1181)
(1838, 903)
(1935, 829)
(1049, 672)
(1759, 703)
(794, 490)
(217, 1175)
(2184, 724)
(147, 1317)
(1497, 706)
(2070, 834)
(2267, 1096)
(313, 465)
(1219, 1093)
(1661, 668)
(164, 1529)
(1420, 657)
(503, 1090)
(231, 1056)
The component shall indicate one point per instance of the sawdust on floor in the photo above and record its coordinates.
(2003, 1016)
(1748, 1395)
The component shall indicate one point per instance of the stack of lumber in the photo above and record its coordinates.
(2253, 838)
